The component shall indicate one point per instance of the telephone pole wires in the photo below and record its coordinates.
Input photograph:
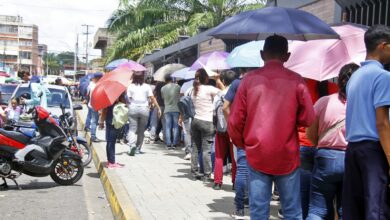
(86, 43)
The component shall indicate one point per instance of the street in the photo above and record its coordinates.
(41, 198)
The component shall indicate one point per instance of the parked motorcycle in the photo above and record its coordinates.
(44, 155)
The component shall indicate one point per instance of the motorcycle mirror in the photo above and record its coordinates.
(40, 93)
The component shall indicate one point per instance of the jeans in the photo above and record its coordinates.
(307, 164)
(366, 180)
(222, 146)
(138, 117)
(326, 184)
(160, 124)
(260, 191)
(202, 135)
(171, 124)
(187, 135)
(153, 124)
(88, 120)
(94, 122)
(241, 182)
(111, 135)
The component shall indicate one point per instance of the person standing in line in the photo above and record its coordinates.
(222, 139)
(139, 95)
(366, 192)
(155, 133)
(111, 133)
(202, 126)
(269, 105)
(186, 122)
(171, 94)
(93, 114)
(328, 134)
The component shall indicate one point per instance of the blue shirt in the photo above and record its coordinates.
(368, 89)
(231, 93)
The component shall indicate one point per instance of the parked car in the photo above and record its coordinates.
(6, 91)
(58, 95)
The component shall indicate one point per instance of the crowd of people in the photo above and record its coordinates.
(324, 152)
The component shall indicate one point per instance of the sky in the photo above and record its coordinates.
(59, 21)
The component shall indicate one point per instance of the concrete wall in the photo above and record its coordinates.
(326, 10)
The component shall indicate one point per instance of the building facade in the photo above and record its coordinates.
(103, 40)
(18, 45)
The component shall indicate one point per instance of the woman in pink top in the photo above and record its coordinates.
(328, 134)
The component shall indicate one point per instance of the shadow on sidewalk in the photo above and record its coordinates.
(224, 205)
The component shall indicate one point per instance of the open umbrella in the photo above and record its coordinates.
(321, 60)
(84, 82)
(160, 74)
(133, 66)
(246, 55)
(114, 64)
(215, 61)
(110, 87)
(258, 24)
(184, 73)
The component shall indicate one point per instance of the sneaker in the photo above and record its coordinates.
(125, 141)
(167, 147)
(138, 151)
(114, 165)
(187, 157)
(217, 186)
(95, 140)
(280, 214)
(239, 214)
(132, 151)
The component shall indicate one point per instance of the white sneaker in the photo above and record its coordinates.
(187, 157)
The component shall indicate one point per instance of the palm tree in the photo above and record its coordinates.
(150, 24)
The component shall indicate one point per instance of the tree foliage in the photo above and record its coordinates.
(144, 25)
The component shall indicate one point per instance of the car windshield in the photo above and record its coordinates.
(6, 92)
(56, 97)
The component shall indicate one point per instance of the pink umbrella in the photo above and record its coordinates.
(214, 61)
(134, 66)
(322, 59)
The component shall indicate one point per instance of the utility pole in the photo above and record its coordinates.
(5, 45)
(47, 63)
(86, 44)
(75, 58)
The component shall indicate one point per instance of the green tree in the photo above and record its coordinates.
(51, 64)
(145, 25)
(66, 57)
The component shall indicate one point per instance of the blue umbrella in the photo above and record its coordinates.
(246, 55)
(185, 73)
(258, 24)
(114, 64)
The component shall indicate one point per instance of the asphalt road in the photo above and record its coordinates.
(41, 198)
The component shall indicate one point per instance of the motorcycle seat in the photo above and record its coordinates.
(15, 136)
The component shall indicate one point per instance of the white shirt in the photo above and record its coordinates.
(90, 89)
(139, 94)
(203, 102)
(186, 86)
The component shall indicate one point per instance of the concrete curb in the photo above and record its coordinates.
(121, 205)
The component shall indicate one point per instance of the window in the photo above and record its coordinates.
(8, 29)
(25, 43)
(25, 55)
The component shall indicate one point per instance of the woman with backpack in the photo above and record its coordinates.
(111, 132)
(139, 95)
(202, 126)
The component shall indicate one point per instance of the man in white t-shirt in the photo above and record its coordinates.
(93, 116)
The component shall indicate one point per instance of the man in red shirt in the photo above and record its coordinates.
(270, 103)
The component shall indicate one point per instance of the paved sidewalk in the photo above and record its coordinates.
(159, 186)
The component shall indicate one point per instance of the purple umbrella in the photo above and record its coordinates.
(213, 61)
(133, 66)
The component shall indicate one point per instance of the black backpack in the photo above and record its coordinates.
(186, 106)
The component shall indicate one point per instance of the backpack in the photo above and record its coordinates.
(219, 118)
(186, 106)
(120, 115)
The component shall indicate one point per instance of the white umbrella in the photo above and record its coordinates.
(184, 73)
(160, 74)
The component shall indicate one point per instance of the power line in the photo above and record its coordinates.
(86, 44)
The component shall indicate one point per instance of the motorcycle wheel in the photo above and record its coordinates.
(87, 153)
(67, 171)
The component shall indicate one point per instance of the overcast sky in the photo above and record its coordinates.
(59, 21)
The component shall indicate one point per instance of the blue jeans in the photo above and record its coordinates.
(94, 122)
(88, 120)
(111, 135)
(241, 183)
(307, 164)
(260, 191)
(326, 184)
(171, 124)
